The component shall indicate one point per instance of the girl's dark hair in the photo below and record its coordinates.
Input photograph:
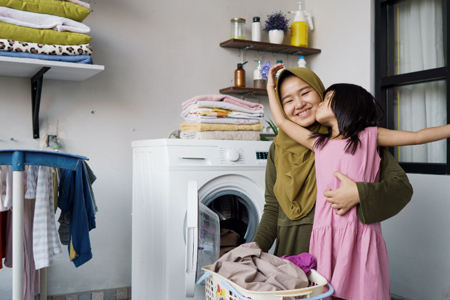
(355, 109)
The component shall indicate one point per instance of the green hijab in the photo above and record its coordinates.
(295, 185)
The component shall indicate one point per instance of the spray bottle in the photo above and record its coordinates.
(299, 27)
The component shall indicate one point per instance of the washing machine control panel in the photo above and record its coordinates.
(241, 156)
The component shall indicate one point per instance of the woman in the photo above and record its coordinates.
(291, 183)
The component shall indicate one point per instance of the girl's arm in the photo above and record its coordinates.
(298, 133)
(387, 137)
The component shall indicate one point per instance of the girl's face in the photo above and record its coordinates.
(299, 101)
(325, 115)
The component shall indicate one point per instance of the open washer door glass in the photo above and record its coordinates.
(202, 238)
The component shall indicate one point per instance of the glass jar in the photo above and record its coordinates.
(237, 28)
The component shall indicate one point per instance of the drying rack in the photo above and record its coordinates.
(18, 159)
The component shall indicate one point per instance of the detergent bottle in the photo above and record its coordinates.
(299, 27)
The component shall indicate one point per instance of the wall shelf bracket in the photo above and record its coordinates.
(36, 91)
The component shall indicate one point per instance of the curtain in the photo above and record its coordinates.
(419, 46)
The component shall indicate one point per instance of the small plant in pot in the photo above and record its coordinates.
(277, 26)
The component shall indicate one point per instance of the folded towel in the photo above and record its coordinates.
(221, 105)
(220, 112)
(223, 98)
(43, 36)
(80, 59)
(17, 46)
(189, 126)
(41, 21)
(201, 119)
(221, 135)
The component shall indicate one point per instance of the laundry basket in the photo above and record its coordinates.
(218, 287)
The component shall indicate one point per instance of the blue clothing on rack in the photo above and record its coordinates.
(75, 199)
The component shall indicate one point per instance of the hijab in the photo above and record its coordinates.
(295, 185)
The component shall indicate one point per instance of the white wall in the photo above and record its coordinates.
(158, 54)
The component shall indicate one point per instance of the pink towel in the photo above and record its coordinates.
(224, 98)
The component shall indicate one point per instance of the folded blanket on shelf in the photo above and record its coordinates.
(17, 46)
(223, 98)
(201, 119)
(52, 7)
(221, 135)
(41, 21)
(221, 105)
(220, 112)
(79, 59)
(189, 126)
(42, 36)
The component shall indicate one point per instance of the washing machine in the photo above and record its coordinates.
(186, 195)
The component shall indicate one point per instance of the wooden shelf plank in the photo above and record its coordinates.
(268, 47)
(27, 67)
(233, 90)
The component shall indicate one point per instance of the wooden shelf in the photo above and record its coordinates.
(268, 47)
(243, 91)
(28, 67)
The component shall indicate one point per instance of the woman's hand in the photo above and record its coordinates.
(271, 80)
(345, 197)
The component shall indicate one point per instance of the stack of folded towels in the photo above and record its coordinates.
(221, 117)
(45, 29)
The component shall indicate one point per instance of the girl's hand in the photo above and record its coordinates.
(345, 197)
(271, 80)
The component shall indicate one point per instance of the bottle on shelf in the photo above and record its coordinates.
(301, 62)
(256, 29)
(279, 71)
(239, 75)
(299, 27)
(258, 82)
(237, 28)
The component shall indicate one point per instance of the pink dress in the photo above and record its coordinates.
(351, 255)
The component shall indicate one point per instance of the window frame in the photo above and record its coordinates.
(384, 83)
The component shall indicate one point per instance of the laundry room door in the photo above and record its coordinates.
(202, 238)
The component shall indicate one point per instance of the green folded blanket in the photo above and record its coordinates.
(42, 36)
(51, 7)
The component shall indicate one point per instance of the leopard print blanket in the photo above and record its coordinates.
(16, 46)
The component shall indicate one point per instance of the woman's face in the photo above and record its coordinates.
(299, 101)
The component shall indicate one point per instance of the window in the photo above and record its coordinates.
(411, 81)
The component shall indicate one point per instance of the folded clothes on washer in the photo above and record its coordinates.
(190, 126)
(221, 135)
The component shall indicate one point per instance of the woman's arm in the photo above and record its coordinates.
(376, 201)
(387, 137)
(298, 133)
(382, 200)
(267, 229)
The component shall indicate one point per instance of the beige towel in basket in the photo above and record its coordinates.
(254, 270)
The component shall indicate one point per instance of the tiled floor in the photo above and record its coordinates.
(111, 294)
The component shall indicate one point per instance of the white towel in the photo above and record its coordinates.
(40, 21)
(220, 104)
(215, 120)
(221, 135)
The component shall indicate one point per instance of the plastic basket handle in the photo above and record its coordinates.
(324, 295)
(204, 276)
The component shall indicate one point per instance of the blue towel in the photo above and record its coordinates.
(79, 59)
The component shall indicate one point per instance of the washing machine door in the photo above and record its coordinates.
(202, 238)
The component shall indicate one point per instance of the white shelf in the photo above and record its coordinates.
(28, 67)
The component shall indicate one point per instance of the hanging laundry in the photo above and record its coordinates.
(75, 199)
(45, 238)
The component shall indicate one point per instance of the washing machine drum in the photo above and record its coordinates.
(237, 215)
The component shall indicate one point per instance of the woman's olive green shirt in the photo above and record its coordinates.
(378, 201)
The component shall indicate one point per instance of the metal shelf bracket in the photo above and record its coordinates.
(36, 91)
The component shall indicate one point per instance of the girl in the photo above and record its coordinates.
(351, 255)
